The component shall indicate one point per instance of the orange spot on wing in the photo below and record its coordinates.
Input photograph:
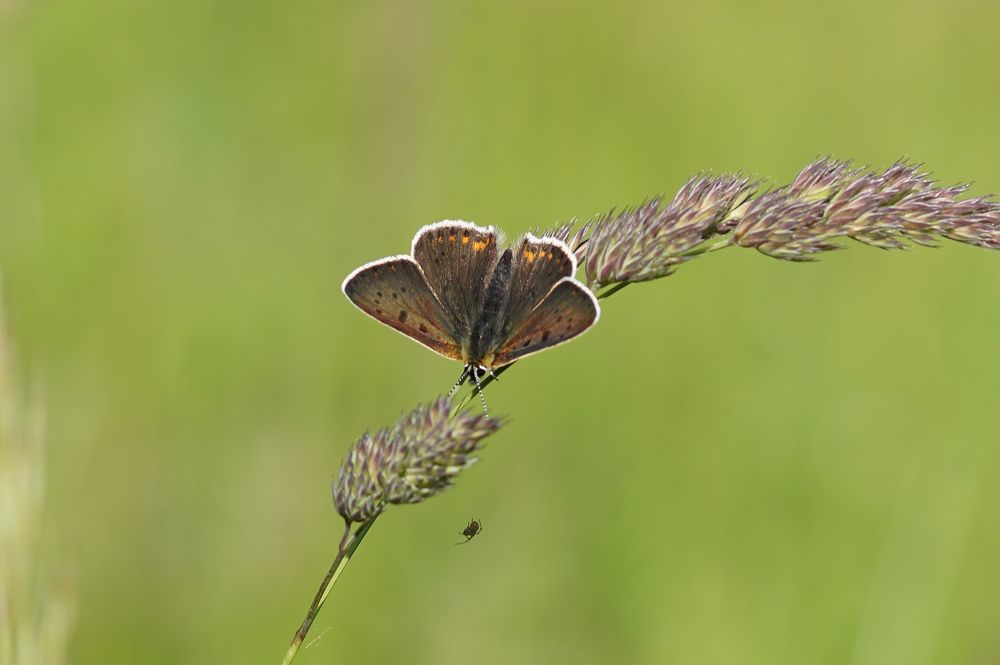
(529, 255)
(451, 238)
(465, 240)
(479, 244)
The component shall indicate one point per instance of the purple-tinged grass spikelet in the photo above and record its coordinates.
(651, 240)
(827, 201)
(830, 200)
(574, 236)
(357, 492)
(414, 460)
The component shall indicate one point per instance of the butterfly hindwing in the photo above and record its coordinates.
(457, 259)
(568, 310)
(538, 264)
(395, 292)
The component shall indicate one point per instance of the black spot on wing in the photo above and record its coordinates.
(414, 311)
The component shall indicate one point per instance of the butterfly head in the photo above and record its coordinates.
(478, 372)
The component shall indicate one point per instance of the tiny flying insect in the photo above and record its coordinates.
(471, 530)
(460, 296)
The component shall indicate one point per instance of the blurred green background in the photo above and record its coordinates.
(747, 462)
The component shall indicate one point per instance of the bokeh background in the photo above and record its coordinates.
(747, 462)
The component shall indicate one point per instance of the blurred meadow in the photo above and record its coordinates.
(749, 461)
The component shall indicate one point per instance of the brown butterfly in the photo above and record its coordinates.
(460, 296)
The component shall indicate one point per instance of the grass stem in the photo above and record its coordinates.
(610, 291)
(344, 554)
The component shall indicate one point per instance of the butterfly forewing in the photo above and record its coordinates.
(568, 310)
(458, 259)
(394, 292)
(538, 264)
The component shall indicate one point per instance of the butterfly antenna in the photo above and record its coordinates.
(479, 389)
(461, 380)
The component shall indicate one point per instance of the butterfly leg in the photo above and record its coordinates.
(461, 380)
(479, 372)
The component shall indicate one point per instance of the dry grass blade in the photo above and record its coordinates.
(35, 617)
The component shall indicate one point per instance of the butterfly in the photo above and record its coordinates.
(462, 297)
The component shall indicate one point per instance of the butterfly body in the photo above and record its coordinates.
(463, 298)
